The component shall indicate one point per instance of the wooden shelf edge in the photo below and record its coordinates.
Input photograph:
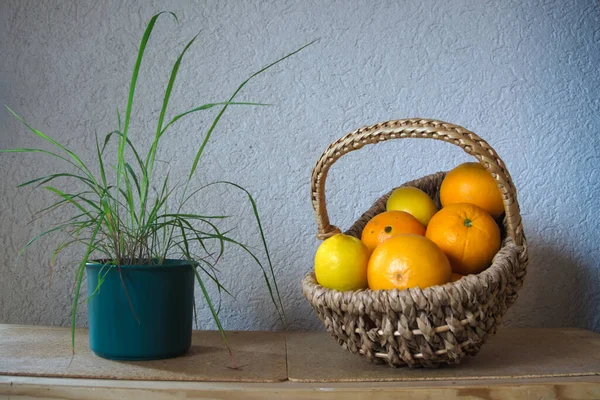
(17, 387)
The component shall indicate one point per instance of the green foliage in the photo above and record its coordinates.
(124, 223)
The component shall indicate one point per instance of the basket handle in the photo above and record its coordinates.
(416, 128)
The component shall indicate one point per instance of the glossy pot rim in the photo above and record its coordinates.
(168, 263)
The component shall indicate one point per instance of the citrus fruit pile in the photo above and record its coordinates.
(413, 244)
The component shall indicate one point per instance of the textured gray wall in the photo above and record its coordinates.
(522, 74)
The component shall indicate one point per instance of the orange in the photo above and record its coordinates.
(472, 183)
(456, 277)
(467, 234)
(407, 261)
(387, 224)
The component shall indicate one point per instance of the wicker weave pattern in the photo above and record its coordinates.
(415, 327)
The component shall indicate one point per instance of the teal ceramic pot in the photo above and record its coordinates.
(145, 316)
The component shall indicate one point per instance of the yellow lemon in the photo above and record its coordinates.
(413, 201)
(341, 263)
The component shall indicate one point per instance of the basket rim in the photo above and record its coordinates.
(464, 288)
(509, 248)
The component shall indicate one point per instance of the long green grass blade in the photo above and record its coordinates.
(71, 198)
(133, 176)
(60, 248)
(80, 271)
(73, 156)
(207, 106)
(212, 310)
(212, 277)
(45, 179)
(128, 195)
(163, 111)
(107, 213)
(101, 164)
(133, 83)
(132, 86)
(161, 200)
(217, 235)
(144, 185)
(262, 238)
(59, 203)
(218, 117)
(186, 250)
(109, 136)
(44, 233)
(50, 153)
(192, 216)
(279, 307)
(101, 277)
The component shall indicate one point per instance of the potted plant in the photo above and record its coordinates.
(142, 251)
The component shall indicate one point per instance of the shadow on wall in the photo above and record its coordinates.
(553, 286)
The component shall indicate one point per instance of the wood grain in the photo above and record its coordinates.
(581, 388)
(45, 351)
(512, 353)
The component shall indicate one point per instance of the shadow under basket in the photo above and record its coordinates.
(420, 327)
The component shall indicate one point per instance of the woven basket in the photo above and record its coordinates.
(420, 327)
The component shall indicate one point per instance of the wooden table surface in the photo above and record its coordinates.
(36, 362)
